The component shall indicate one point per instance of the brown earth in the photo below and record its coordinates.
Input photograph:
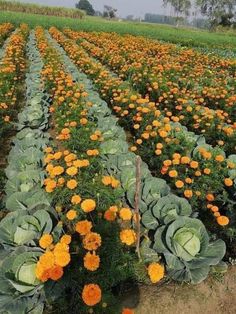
(213, 296)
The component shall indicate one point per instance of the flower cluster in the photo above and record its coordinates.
(56, 256)
(83, 196)
(12, 70)
(158, 131)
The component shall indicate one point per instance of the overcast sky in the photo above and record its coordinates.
(125, 7)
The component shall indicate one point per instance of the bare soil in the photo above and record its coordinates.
(213, 296)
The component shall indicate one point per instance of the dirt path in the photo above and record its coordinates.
(213, 296)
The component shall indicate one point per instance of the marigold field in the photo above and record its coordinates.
(118, 167)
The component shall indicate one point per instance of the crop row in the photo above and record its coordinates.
(73, 225)
(159, 209)
(186, 86)
(5, 29)
(12, 70)
(194, 170)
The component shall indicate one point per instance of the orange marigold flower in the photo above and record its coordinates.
(47, 260)
(65, 131)
(179, 184)
(222, 220)
(173, 173)
(207, 171)
(185, 160)
(219, 158)
(128, 236)
(114, 183)
(194, 164)
(56, 272)
(62, 258)
(106, 180)
(71, 184)
(188, 193)
(109, 215)
(66, 239)
(91, 294)
(71, 214)
(45, 241)
(92, 241)
(156, 272)
(127, 311)
(228, 182)
(91, 261)
(88, 205)
(125, 213)
(83, 227)
(76, 199)
(210, 197)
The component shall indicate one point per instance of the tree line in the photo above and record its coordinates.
(217, 12)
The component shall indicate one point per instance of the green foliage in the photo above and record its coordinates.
(187, 249)
(86, 6)
(40, 9)
(184, 36)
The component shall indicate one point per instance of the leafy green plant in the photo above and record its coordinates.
(187, 249)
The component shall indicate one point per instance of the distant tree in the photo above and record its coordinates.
(98, 13)
(109, 12)
(181, 8)
(129, 17)
(86, 6)
(219, 12)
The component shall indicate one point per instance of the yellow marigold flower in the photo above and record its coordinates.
(156, 272)
(72, 171)
(83, 227)
(57, 155)
(92, 241)
(128, 236)
(88, 205)
(71, 214)
(91, 261)
(58, 170)
(91, 294)
(125, 213)
(45, 241)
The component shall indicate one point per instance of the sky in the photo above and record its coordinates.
(125, 7)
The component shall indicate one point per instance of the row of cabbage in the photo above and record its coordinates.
(30, 214)
(199, 172)
(187, 86)
(12, 71)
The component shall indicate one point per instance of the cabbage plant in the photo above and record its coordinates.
(187, 249)
(165, 210)
(19, 228)
(20, 290)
